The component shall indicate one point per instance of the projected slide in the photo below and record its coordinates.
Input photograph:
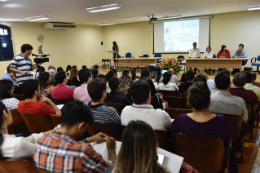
(179, 35)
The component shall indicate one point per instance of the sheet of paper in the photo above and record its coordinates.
(172, 161)
(60, 106)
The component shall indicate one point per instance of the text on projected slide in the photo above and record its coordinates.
(179, 35)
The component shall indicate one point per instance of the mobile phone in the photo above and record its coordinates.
(160, 159)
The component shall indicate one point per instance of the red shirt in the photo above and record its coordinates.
(226, 56)
(40, 108)
(248, 95)
(62, 91)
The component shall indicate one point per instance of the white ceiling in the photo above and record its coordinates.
(74, 10)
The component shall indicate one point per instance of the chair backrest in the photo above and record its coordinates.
(204, 154)
(180, 57)
(175, 102)
(18, 166)
(162, 139)
(19, 97)
(214, 56)
(258, 58)
(184, 95)
(18, 125)
(109, 129)
(36, 123)
(157, 55)
(169, 93)
(249, 110)
(119, 107)
(128, 55)
(174, 112)
(145, 55)
(60, 101)
(55, 120)
(236, 121)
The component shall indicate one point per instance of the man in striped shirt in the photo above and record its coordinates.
(97, 90)
(22, 64)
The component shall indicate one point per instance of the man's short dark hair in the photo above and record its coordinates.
(139, 91)
(222, 81)
(190, 75)
(254, 75)
(240, 79)
(194, 43)
(114, 70)
(96, 88)
(249, 77)
(26, 47)
(59, 69)
(109, 75)
(125, 72)
(113, 83)
(29, 87)
(84, 75)
(146, 73)
(60, 76)
(96, 67)
(75, 112)
(241, 45)
(226, 72)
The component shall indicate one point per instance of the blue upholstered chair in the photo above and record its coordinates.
(158, 55)
(145, 55)
(128, 55)
(256, 64)
(181, 58)
(214, 56)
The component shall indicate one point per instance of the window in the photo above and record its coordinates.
(6, 45)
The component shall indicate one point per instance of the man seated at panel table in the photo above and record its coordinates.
(223, 102)
(60, 151)
(143, 110)
(35, 103)
(240, 53)
(239, 81)
(97, 90)
(194, 53)
(62, 91)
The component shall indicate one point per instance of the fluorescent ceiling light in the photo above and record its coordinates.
(170, 17)
(3, 0)
(37, 18)
(103, 8)
(105, 24)
(255, 7)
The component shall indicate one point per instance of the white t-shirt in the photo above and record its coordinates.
(19, 147)
(11, 103)
(208, 55)
(168, 87)
(157, 118)
(194, 53)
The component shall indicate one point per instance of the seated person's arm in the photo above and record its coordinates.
(46, 100)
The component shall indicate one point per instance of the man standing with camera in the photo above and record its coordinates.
(22, 64)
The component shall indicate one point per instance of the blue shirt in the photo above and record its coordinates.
(240, 54)
(7, 76)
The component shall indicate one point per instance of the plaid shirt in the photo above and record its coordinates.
(59, 152)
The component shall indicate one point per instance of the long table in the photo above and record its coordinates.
(134, 62)
(235, 63)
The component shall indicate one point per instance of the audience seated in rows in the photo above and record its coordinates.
(174, 78)
(237, 89)
(184, 86)
(61, 91)
(223, 102)
(201, 123)
(143, 110)
(81, 92)
(68, 69)
(46, 87)
(250, 86)
(9, 75)
(254, 80)
(183, 78)
(147, 73)
(74, 77)
(166, 84)
(51, 72)
(6, 92)
(59, 69)
(114, 96)
(124, 85)
(97, 90)
(134, 77)
(129, 75)
(117, 75)
(61, 152)
(16, 147)
(35, 103)
(110, 75)
(94, 73)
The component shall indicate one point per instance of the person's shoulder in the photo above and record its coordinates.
(222, 118)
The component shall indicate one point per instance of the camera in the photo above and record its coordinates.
(42, 59)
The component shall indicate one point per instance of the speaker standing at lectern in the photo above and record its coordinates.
(115, 49)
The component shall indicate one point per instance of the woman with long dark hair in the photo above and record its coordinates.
(45, 84)
(224, 52)
(6, 94)
(74, 77)
(166, 85)
(115, 49)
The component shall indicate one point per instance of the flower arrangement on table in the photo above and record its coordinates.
(166, 64)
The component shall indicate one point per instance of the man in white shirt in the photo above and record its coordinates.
(143, 110)
(174, 78)
(194, 53)
(223, 102)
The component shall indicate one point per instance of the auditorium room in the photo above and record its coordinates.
(129, 86)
